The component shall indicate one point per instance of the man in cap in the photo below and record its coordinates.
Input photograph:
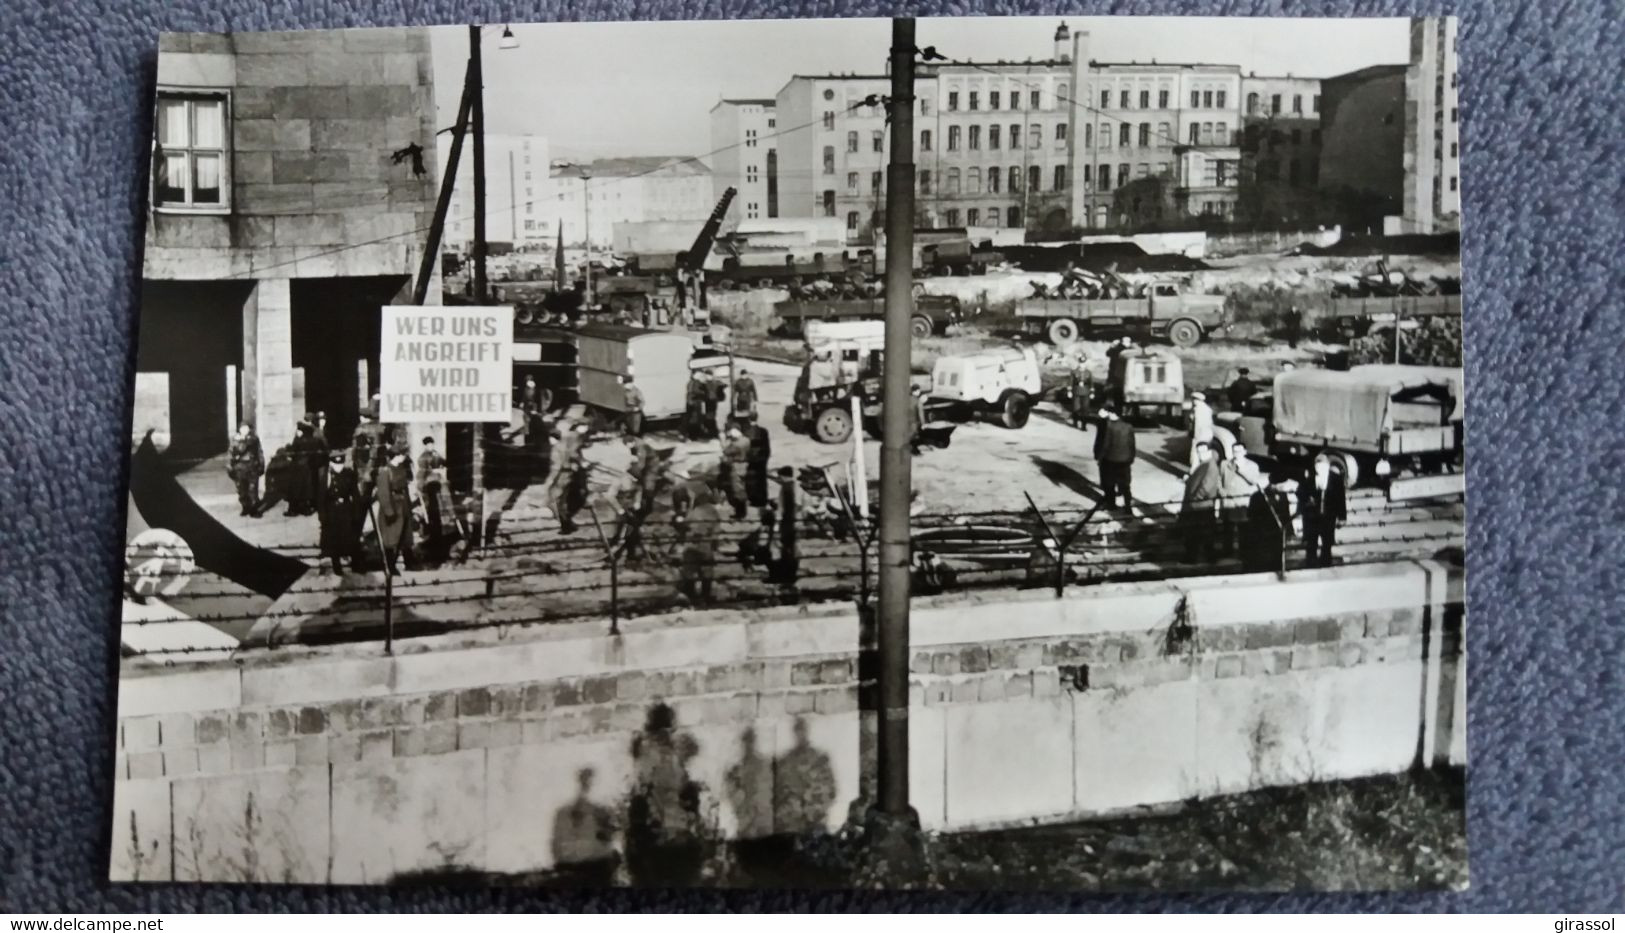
(1082, 393)
(1117, 369)
(1240, 390)
(1115, 453)
(394, 493)
(431, 479)
(633, 399)
(245, 464)
(1201, 427)
(368, 449)
(1239, 478)
(338, 511)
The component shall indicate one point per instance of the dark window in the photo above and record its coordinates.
(851, 220)
(875, 181)
(1123, 132)
(953, 138)
(1060, 178)
(829, 203)
(829, 160)
(1105, 99)
(1035, 178)
(852, 181)
(993, 176)
(829, 119)
(1207, 99)
(993, 136)
(1297, 137)
(877, 141)
(1221, 100)
(1035, 99)
(992, 100)
(953, 100)
(1196, 98)
(1145, 134)
(975, 139)
(1145, 100)
(1015, 179)
(1015, 136)
(852, 141)
(952, 218)
(1196, 129)
(1314, 137)
(1275, 103)
(925, 182)
(972, 217)
(1123, 100)
(1015, 217)
(925, 140)
(1105, 177)
(1162, 100)
(974, 101)
(1297, 103)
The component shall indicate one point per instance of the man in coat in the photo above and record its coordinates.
(1269, 525)
(787, 563)
(1241, 390)
(338, 510)
(744, 404)
(1115, 453)
(431, 480)
(567, 468)
(735, 463)
(309, 457)
(761, 452)
(245, 464)
(1323, 502)
(1199, 512)
(394, 491)
(369, 447)
(1082, 391)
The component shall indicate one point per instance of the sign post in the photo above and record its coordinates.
(444, 363)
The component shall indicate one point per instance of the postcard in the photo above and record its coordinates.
(974, 453)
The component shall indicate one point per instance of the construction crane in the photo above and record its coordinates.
(691, 262)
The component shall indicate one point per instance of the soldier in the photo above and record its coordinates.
(694, 405)
(368, 450)
(393, 489)
(735, 462)
(245, 464)
(1117, 369)
(339, 514)
(309, 456)
(1294, 326)
(431, 479)
(744, 406)
(702, 523)
(633, 397)
(1083, 390)
(1199, 512)
(533, 398)
(1115, 452)
(715, 392)
(566, 457)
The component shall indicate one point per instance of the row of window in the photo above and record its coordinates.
(996, 100)
(1011, 178)
(1126, 99)
(973, 217)
(1255, 102)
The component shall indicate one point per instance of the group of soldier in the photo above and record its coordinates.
(345, 486)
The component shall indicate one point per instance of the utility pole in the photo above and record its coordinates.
(895, 480)
(476, 78)
(586, 222)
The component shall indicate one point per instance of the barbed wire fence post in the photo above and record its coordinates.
(1061, 543)
(612, 551)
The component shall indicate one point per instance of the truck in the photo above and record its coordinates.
(846, 362)
(585, 365)
(959, 257)
(932, 314)
(1399, 426)
(1163, 312)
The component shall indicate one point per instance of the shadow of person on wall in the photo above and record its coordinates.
(803, 787)
(584, 839)
(666, 842)
(782, 808)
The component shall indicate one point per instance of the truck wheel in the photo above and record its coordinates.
(1017, 409)
(1345, 464)
(921, 326)
(1063, 332)
(833, 426)
(1184, 333)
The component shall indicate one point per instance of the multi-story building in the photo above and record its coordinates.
(630, 190)
(517, 192)
(1432, 196)
(1154, 138)
(285, 209)
(745, 157)
(1362, 148)
(1280, 147)
(833, 148)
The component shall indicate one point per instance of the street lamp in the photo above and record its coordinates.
(476, 77)
(586, 236)
(508, 41)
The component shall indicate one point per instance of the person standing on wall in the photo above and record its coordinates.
(1269, 525)
(245, 464)
(1323, 502)
(1199, 512)
(744, 403)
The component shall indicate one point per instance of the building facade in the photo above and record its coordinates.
(285, 208)
(1280, 149)
(518, 192)
(630, 190)
(1362, 151)
(1432, 196)
(745, 157)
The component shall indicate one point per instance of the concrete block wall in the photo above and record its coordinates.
(314, 119)
(464, 750)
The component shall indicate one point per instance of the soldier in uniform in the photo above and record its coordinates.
(368, 450)
(431, 478)
(634, 408)
(339, 513)
(744, 406)
(735, 463)
(715, 392)
(1241, 390)
(761, 451)
(1083, 390)
(394, 494)
(245, 464)
(566, 458)
(309, 458)
(702, 525)
(694, 405)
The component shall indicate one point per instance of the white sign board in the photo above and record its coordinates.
(446, 363)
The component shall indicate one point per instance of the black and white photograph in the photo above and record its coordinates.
(985, 453)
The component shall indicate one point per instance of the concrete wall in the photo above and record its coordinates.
(343, 765)
(1236, 244)
(314, 117)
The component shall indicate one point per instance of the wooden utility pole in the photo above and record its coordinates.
(476, 78)
(895, 480)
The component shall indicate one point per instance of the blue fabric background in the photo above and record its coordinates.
(1543, 102)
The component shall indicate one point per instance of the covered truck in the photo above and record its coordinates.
(1162, 312)
(657, 361)
(1375, 422)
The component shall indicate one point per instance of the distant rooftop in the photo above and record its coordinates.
(745, 102)
(1374, 71)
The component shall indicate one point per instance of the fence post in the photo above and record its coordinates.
(389, 576)
(614, 554)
